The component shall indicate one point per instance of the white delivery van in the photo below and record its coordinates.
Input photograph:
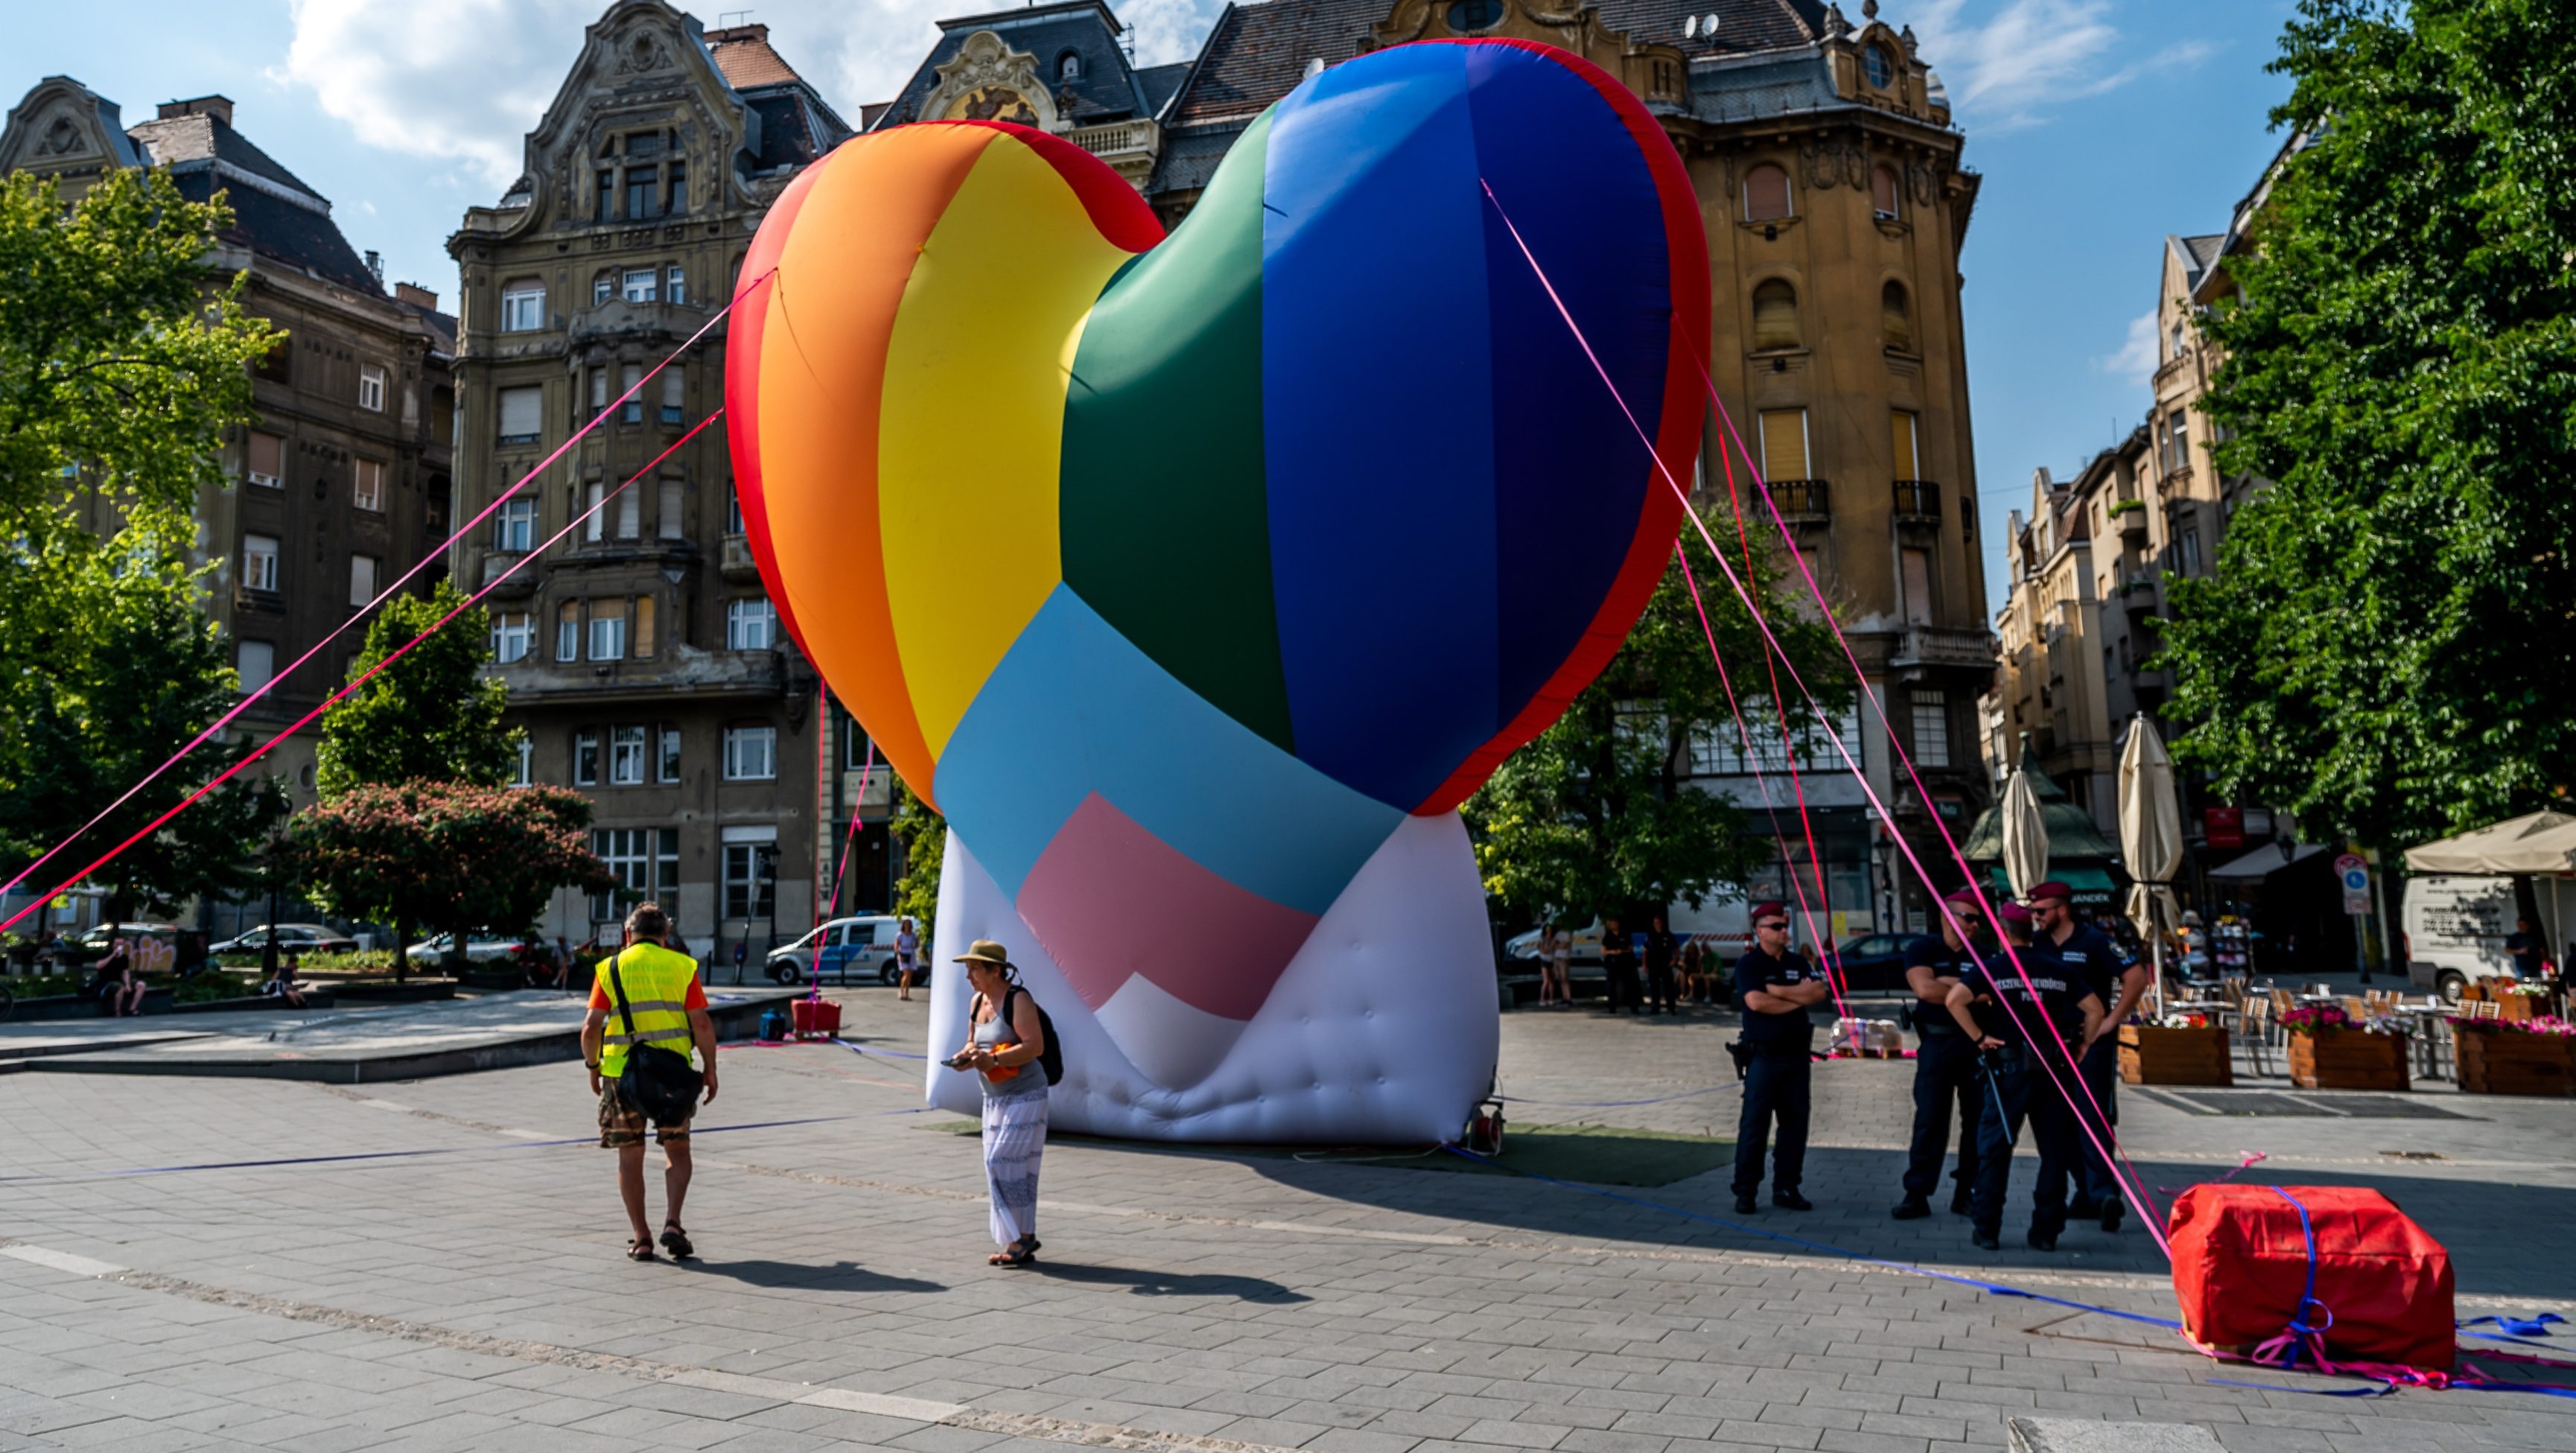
(2455, 930)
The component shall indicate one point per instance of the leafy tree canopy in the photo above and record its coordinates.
(923, 834)
(430, 716)
(2389, 643)
(1595, 814)
(454, 856)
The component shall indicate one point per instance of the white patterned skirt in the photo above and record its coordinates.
(1015, 1128)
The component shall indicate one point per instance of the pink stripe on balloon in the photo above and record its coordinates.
(1110, 900)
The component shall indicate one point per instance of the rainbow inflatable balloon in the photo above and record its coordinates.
(1192, 576)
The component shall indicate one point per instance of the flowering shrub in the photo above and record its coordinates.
(2549, 1024)
(2329, 1018)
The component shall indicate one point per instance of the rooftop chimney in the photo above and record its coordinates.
(416, 295)
(219, 107)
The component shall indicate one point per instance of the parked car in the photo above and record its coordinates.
(1874, 963)
(481, 947)
(302, 938)
(860, 945)
(2455, 927)
(1526, 947)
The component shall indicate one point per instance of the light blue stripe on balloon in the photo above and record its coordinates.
(1075, 708)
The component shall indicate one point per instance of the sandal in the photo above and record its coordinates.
(676, 1242)
(1018, 1253)
(639, 1249)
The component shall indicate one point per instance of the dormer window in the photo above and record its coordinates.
(1068, 66)
(1470, 16)
(634, 182)
(1877, 65)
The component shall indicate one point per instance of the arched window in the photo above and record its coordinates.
(1469, 16)
(1892, 318)
(1878, 65)
(1766, 193)
(1775, 315)
(1882, 191)
(1068, 66)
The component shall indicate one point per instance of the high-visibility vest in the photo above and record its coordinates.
(657, 982)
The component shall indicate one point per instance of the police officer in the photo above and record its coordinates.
(2036, 1012)
(1774, 985)
(1945, 1064)
(2117, 979)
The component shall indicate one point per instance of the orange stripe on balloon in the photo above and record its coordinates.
(748, 328)
(842, 266)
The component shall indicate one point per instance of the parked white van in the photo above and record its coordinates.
(2455, 930)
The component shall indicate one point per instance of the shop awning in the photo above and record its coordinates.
(2266, 860)
(2093, 886)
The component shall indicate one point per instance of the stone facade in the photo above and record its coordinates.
(344, 481)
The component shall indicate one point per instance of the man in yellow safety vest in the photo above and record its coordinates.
(668, 1007)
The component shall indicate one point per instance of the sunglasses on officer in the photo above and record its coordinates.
(1775, 925)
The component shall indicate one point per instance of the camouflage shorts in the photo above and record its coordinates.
(619, 1125)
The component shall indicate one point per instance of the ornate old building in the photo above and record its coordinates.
(344, 480)
(640, 651)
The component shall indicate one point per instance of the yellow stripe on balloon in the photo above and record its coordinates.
(975, 387)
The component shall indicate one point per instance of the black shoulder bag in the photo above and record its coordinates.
(657, 1083)
(1050, 1049)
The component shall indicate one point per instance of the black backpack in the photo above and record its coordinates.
(1051, 1057)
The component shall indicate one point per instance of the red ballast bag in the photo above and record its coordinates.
(2376, 1287)
(815, 1018)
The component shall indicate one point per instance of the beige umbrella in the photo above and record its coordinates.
(2025, 835)
(2150, 838)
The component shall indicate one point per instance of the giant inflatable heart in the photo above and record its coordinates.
(1179, 573)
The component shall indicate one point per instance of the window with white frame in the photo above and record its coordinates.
(1931, 729)
(750, 872)
(523, 414)
(674, 395)
(602, 288)
(629, 388)
(646, 862)
(514, 527)
(594, 524)
(514, 634)
(523, 306)
(585, 759)
(362, 578)
(638, 284)
(256, 663)
(598, 392)
(668, 520)
(630, 514)
(264, 461)
(750, 753)
(370, 491)
(568, 631)
(371, 388)
(675, 284)
(259, 562)
(524, 774)
(608, 631)
(750, 624)
(667, 768)
(626, 756)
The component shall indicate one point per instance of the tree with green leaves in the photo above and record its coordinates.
(432, 716)
(2388, 647)
(923, 834)
(123, 360)
(1596, 815)
(453, 856)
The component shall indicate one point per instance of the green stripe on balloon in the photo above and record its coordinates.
(1163, 502)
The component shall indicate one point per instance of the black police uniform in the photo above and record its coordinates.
(2020, 1088)
(1662, 946)
(1776, 1075)
(1945, 1074)
(2095, 959)
(1619, 972)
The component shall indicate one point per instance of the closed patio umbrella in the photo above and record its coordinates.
(2150, 838)
(2025, 835)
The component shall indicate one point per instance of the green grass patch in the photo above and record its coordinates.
(1599, 1155)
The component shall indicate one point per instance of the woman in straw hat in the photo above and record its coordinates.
(1004, 1041)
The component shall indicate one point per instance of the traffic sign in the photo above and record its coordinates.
(2355, 874)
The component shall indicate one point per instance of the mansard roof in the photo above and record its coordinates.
(1108, 88)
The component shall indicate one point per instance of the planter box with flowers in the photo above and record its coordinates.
(2507, 1057)
(2330, 1050)
(2514, 1002)
(2175, 1053)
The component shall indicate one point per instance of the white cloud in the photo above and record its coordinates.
(2006, 63)
(2137, 357)
(464, 80)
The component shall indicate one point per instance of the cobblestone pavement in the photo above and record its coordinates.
(458, 1285)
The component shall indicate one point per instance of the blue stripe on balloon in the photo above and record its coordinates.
(1074, 707)
(1378, 412)
(1569, 475)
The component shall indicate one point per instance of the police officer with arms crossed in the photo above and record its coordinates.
(2087, 954)
(2059, 1014)
(1773, 987)
(1945, 1064)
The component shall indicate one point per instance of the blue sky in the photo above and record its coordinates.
(2100, 125)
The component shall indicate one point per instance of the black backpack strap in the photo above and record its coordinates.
(617, 992)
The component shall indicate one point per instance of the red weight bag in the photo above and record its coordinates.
(2301, 1275)
(815, 1018)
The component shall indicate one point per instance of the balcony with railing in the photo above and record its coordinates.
(1803, 501)
(1918, 501)
(2129, 517)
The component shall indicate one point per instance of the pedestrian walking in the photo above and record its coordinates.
(1774, 985)
(1005, 1042)
(907, 944)
(660, 1009)
(2029, 1011)
(1661, 950)
(1946, 1082)
(1619, 968)
(1556, 968)
(2086, 954)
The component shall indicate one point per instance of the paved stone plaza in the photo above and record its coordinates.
(463, 1288)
